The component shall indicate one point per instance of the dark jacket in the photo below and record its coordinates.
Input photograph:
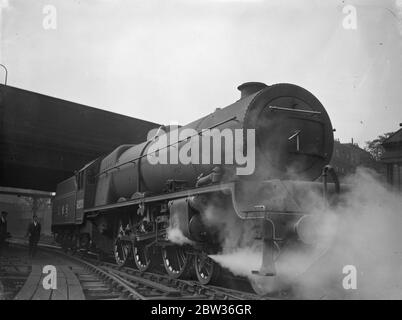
(34, 231)
(3, 229)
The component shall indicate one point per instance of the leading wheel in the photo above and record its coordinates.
(206, 270)
(176, 261)
(122, 251)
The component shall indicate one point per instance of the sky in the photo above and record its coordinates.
(177, 60)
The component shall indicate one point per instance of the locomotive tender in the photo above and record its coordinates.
(125, 205)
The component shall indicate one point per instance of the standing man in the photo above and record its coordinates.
(34, 234)
(3, 230)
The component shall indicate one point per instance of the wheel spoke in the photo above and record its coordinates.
(145, 255)
(142, 257)
(206, 269)
(180, 259)
(201, 263)
(123, 252)
(175, 260)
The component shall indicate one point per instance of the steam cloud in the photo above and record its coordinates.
(176, 236)
(363, 230)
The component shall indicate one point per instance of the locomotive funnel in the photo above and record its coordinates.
(249, 88)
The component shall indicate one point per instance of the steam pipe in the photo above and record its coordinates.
(325, 171)
(5, 78)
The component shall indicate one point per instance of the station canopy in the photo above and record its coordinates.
(44, 140)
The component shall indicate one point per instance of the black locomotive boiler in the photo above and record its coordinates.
(174, 213)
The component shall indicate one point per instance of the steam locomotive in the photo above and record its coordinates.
(179, 214)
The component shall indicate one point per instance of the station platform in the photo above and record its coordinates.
(67, 286)
(23, 278)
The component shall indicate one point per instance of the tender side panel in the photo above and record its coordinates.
(64, 205)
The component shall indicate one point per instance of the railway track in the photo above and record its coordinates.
(173, 288)
(101, 280)
(14, 271)
(154, 286)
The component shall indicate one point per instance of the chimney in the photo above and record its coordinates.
(249, 88)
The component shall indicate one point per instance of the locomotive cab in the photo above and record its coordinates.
(73, 195)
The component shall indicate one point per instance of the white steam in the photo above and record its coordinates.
(176, 236)
(240, 261)
(363, 230)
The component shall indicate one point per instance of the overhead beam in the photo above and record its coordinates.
(26, 192)
(43, 139)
